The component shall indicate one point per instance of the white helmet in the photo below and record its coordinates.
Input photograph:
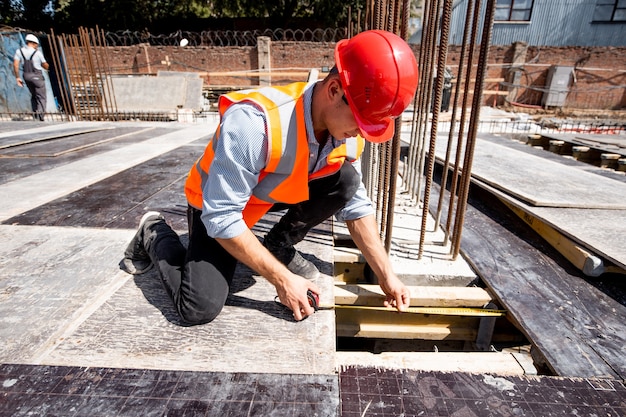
(32, 38)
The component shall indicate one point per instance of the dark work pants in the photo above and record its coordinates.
(37, 86)
(198, 279)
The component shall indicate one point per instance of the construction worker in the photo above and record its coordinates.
(34, 63)
(294, 147)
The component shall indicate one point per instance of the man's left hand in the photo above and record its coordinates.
(398, 295)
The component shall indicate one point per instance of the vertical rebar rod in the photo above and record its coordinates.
(463, 143)
(426, 54)
(471, 23)
(474, 120)
(61, 72)
(76, 76)
(106, 74)
(441, 64)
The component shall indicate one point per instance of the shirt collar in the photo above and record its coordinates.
(308, 116)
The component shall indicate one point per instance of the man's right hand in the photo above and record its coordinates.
(291, 288)
(293, 294)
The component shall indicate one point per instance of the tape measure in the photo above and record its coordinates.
(443, 311)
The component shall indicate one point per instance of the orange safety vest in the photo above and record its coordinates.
(285, 177)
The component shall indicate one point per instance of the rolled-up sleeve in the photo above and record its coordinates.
(240, 155)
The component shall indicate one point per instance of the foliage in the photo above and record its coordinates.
(330, 11)
(31, 14)
(160, 16)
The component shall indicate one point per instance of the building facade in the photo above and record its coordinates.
(550, 22)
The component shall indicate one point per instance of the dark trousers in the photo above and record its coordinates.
(198, 278)
(37, 86)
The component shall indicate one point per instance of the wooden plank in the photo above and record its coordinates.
(69, 144)
(349, 272)
(46, 186)
(346, 255)
(488, 92)
(247, 74)
(599, 231)
(19, 138)
(18, 167)
(424, 296)
(65, 302)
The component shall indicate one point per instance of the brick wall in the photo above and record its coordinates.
(599, 83)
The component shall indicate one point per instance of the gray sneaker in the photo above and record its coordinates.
(136, 259)
(305, 268)
(292, 259)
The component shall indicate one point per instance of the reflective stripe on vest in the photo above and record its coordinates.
(350, 150)
(285, 176)
(282, 179)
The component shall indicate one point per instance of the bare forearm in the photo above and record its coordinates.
(248, 250)
(364, 232)
(292, 289)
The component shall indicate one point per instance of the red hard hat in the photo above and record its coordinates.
(378, 73)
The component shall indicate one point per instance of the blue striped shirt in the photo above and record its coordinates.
(241, 154)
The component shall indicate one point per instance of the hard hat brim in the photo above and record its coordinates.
(376, 132)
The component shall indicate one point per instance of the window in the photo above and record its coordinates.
(610, 11)
(514, 10)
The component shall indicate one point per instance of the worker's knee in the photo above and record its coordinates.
(193, 317)
(201, 310)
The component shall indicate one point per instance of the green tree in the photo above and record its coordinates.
(331, 13)
(31, 14)
(153, 14)
(125, 14)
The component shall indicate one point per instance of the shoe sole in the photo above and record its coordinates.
(138, 267)
(147, 216)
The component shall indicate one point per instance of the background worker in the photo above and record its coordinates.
(293, 147)
(33, 62)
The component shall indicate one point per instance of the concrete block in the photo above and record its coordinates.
(157, 94)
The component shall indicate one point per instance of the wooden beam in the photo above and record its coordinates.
(497, 363)
(349, 272)
(581, 258)
(422, 296)
(352, 323)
